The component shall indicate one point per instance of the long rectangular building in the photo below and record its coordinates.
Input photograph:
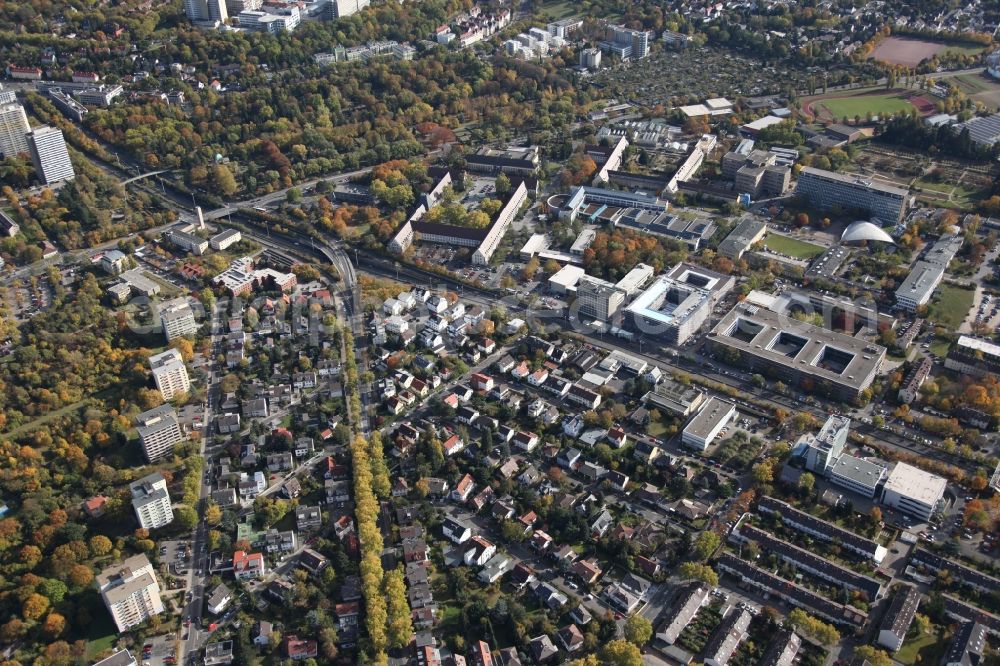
(821, 529)
(807, 561)
(794, 594)
(974, 357)
(802, 354)
(825, 189)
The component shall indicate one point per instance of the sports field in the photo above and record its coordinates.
(792, 247)
(861, 105)
(905, 51)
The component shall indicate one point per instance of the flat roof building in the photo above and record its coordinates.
(169, 373)
(831, 363)
(748, 232)
(130, 591)
(677, 399)
(914, 491)
(159, 432)
(707, 423)
(598, 298)
(825, 189)
(671, 309)
(857, 474)
(823, 448)
(177, 319)
(564, 280)
(635, 279)
(151, 501)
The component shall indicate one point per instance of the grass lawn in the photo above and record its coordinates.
(971, 83)
(559, 10)
(963, 49)
(928, 648)
(792, 247)
(656, 429)
(101, 635)
(861, 104)
(950, 306)
(939, 347)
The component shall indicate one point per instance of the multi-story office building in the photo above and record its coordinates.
(925, 275)
(825, 189)
(598, 298)
(177, 319)
(590, 58)
(159, 432)
(151, 501)
(48, 151)
(169, 373)
(130, 592)
(14, 128)
(206, 10)
(708, 423)
(805, 355)
(670, 309)
(913, 491)
(858, 475)
(270, 22)
(823, 448)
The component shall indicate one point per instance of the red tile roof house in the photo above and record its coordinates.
(299, 649)
(481, 382)
(463, 488)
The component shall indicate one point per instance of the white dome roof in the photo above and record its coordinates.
(864, 231)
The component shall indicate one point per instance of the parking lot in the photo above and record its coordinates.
(176, 555)
(160, 651)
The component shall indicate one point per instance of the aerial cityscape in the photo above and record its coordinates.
(500, 333)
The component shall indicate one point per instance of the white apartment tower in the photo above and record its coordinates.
(13, 130)
(206, 10)
(169, 373)
(151, 501)
(177, 319)
(159, 432)
(130, 591)
(49, 153)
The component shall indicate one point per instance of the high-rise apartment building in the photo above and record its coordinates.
(159, 432)
(130, 591)
(342, 8)
(151, 501)
(206, 10)
(48, 151)
(169, 373)
(7, 96)
(14, 128)
(177, 319)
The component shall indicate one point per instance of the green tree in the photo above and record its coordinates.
(223, 181)
(638, 630)
(706, 544)
(872, 655)
(621, 653)
(400, 624)
(502, 183)
(380, 471)
(698, 571)
(807, 482)
(293, 195)
(186, 517)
